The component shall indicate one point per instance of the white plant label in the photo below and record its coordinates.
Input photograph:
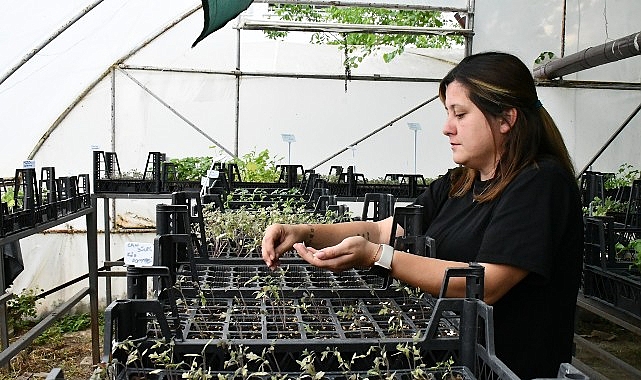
(139, 254)
(29, 164)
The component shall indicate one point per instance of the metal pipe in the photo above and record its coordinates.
(299, 26)
(7, 354)
(469, 24)
(607, 143)
(237, 76)
(565, 14)
(388, 124)
(183, 118)
(608, 357)
(46, 42)
(356, 3)
(612, 51)
(81, 96)
(266, 74)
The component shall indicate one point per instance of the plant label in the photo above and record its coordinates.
(139, 254)
(29, 164)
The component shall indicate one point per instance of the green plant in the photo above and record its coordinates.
(21, 310)
(257, 166)
(623, 177)
(191, 168)
(66, 324)
(242, 229)
(357, 46)
(446, 367)
(7, 196)
(601, 207)
(633, 249)
(544, 57)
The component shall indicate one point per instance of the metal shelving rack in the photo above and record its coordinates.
(9, 351)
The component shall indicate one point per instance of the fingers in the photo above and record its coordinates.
(343, 256)
(272, 240)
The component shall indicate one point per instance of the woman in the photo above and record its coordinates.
(513, 206)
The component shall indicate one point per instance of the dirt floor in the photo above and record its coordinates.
(614, 339)
(72, 353)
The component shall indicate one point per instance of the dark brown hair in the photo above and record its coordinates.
(497, 82)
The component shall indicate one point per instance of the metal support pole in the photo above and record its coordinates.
(388, 124)
(92, 262)
(183, 118)
(607, 143)
(415, 135)
(238, 74)
(42, 45)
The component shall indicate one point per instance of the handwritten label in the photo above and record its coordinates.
(28, 164)
(139, 254)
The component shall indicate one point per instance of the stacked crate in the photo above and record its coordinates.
(612, 246)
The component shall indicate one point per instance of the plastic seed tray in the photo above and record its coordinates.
(383, 337)
(285, 328)
(291, 279)
(459, 373)
(325, 321)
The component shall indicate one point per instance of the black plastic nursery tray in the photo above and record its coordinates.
(293, 280)
(342, 336)
(309, 321)
(283, 332)
(460, 373)
(22, 220)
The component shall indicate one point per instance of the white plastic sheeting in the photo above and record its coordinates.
(323, 117)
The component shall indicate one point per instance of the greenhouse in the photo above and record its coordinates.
(150, 147)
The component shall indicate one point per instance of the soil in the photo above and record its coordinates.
(612, 338)
(72, 353)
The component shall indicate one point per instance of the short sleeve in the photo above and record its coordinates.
(530, 219)
(433, 198)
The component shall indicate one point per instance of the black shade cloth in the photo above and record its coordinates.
(13, 264)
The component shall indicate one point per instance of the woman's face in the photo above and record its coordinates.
(472, 138)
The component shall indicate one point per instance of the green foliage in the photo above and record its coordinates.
(357, 46)
(7, 197)
(623, 177)
(258, 166)
(544, 56)
(633, 249)
(243, 229)
(21, 310)
(601, 207)
(191, 168)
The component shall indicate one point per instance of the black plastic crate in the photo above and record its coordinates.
(220, 332)
(601, 237)
(460, 373)
(108, 177)
(617, 287)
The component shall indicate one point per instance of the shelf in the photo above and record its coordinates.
(9, 351)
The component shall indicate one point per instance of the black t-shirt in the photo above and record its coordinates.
(535, 224)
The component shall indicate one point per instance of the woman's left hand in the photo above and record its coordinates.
(354, 251)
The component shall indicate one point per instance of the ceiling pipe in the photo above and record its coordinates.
(612, 51)
(46, 42)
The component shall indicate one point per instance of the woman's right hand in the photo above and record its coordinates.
(278, 239)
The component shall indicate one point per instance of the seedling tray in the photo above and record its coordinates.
(459, 373)
(284, 330)
(291, 279)
(235, 335)
(22, 220)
